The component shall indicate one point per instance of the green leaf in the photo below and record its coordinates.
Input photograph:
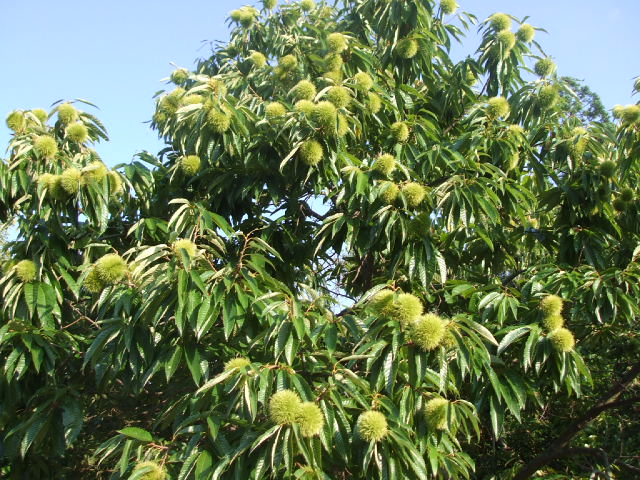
(31, 296)
(137, 434)
(72, 420)
(32, 432)
(204, 466)
(192, 356)
(331, 337)
(483, 332)
(496, 413)
(188, 465)
(488, 300)
(171, 366)
(264, 437)
(510, 337)
(214, 381)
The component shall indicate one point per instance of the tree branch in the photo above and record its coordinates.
(511, 277)
(609, 401)
(627, 466)
(307, 210)
(364, 273)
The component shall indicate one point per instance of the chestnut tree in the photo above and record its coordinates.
(356, 257)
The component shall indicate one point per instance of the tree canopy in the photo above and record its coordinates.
(356, 257)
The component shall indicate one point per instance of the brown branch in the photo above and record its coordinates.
(571, 451)
(243, 251)
(158, 447)
(345, 311)
(627, 466)
(609, 401)
(308, 211)
(511, 277)
(364, 274)
(439, 181)
(81, 316)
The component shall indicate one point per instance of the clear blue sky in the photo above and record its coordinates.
(115, 53)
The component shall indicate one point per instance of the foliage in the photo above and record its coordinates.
(584, 102)
(353, 287)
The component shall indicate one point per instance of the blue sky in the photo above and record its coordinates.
(115, 53)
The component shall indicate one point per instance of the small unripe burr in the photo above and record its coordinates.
(562, 340)
(77, 132)
(40, 114)
(506, 39)
(372, 426)
(552, 322)
(269, 4)
(389, 192)
(239, 363)
(607, 168)
(544, 67)
(500, 22)
(180, 76)
(363, 81)
(304, 90)
(436, 413)
(219, 121)
(190, 164)
(413, 194)
(336, 42)
(311, 152)
(307, 5)
(551, 305)
(185, 244)
(258, 59)
(274, 110)
(498, 107)
(110, 268)
(400, 132)
(325, 115)
(382, 303)
(45, 146)
(339, 96)
(407, 48)
(70, 180)
(67, 113)
(548, 97)
(284, 407)
(310, 419)
(407, 308)
(448, 7)
(288, 62)
(428, 331)
(375, 104)
(16, 121)
(26, 271)
(385, 164)
(526, 33)
(154, 471)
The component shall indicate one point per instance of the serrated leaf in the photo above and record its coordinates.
(510, 337)
(215, 381)
(137, 434)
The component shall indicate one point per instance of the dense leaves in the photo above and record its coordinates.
(340, 266)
